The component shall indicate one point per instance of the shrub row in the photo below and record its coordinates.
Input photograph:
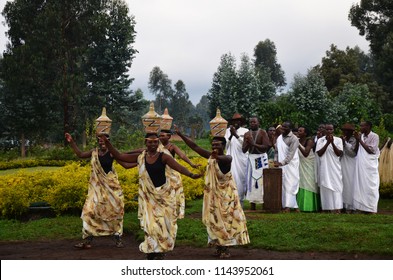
(26, 163)
(65, 189)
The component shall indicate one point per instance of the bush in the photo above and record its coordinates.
(386, 190)
(25, 163)
(66, 188)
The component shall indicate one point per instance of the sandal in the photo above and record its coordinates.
(119, 244)
(225, 255)
(82, 245)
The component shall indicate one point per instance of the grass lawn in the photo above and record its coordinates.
(30, 169)
(357, 233)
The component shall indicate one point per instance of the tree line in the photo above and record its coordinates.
(67, 59)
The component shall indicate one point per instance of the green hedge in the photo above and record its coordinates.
(26, 163)
(65, 189)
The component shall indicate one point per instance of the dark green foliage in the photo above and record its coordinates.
(374, 20)
(64, 62)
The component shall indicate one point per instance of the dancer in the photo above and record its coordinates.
(222, 213)
(157, 201)
(103, 211)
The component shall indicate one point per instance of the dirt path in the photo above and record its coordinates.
(104, 249)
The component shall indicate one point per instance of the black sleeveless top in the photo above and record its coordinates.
(224, 168)
(156, 171)
(106, 162)
(171, 151)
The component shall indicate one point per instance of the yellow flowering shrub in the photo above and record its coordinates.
(70, 188)
(193, 188)
(128, 179)
(14, 198)
(66, 188)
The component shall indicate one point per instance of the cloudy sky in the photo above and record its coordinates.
(186, 38)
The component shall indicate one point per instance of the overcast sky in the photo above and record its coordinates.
(186, 38)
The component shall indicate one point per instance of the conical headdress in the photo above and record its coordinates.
(151, 120)
(166, 121)
(103, 123)
(218, 125)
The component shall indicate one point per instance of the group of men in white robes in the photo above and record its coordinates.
(346, 173)
(348, 169)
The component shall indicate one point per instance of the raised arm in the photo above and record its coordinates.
(124, 157)
(306, 150)
(337, 150)
(184, 157)
(321, 151)
(167, 159)
(75, 148)
(247, 142)
(127, 165)
(202, 152)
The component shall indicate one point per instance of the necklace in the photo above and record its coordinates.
(152, 155)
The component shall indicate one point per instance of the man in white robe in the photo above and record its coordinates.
(366, 182)
(235, 138)
(329, 150)
(348, 164)
(287, 158)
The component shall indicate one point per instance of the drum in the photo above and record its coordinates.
(272, 189)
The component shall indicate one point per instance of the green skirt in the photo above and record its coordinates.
(308, 201)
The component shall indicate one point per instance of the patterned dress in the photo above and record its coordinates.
(158, 211)
(222, 213)
(103, 211)
(177, 182)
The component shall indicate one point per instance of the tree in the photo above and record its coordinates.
(202, 110)
(374, 20)
(52, 67)
(351, 65)
(223, 93)
(275, 111)
(265, 54)
(247, 88)
(311, 99)
(180, 105)
(161, 86)
(239, 90)
(29, 99)
(107, 62)
(357, 104)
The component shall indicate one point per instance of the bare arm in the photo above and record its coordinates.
(167, 159)
(127, 165)
(321, 151)
(124, 157)
(247, 142)
(75, 148)
(202, 152)
(183, 156)
(368, 149)
(306, 150)
(225, 159)
(336, 150)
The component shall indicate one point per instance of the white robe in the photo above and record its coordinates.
(255, 165)
(348, 164)
(330, 175)
(290, 175)
(366, 183)
(239, 160)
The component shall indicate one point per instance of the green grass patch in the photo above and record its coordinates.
(30, 169)
(351, 233)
